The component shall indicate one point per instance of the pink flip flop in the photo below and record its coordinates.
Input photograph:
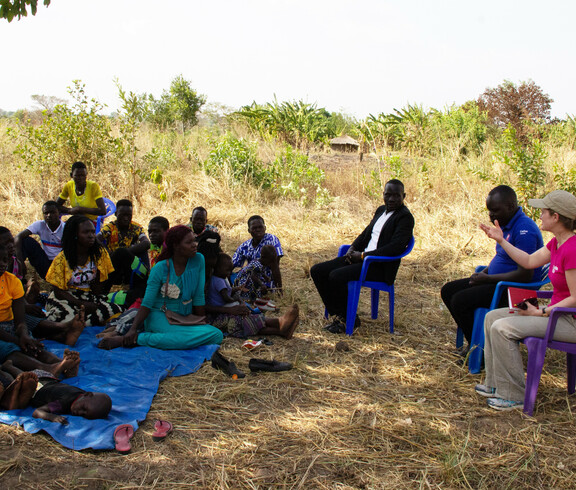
(122, 435)
(163, 428)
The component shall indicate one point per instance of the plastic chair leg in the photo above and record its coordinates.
(391, 308)
(536, 356)
(352, 306)
(459, 338)
(571, 372)
(374, 300)
(477, 341)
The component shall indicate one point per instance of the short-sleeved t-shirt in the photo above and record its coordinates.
(10, 289)
(63, 277)
(86, 200)
(114, 240)
(248, 252)
(523, 233)
(562, 259)
(58, 396)
(217, 284)
(51, 240)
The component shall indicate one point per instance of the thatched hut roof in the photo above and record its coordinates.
(344, 140)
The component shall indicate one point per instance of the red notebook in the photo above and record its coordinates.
(518, 296)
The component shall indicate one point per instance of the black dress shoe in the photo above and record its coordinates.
(220, 362)
(337, 326)
(272, 366)
(461, 351)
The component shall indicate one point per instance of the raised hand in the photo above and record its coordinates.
(494, 232)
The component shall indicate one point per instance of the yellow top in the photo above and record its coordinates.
(86, 200)
(62, 276)
(10, 289)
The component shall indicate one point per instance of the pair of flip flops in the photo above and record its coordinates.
(123, 433)
(265, 305)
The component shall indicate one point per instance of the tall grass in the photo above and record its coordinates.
(390, 411)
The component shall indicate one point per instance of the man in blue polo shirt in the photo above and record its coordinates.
(463, 296)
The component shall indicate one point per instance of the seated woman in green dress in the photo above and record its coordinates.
(176, 283)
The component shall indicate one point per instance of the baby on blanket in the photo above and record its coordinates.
(43, 390)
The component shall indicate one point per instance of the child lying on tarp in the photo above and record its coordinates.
(54, 398)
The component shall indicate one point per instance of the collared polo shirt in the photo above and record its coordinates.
(523, 233)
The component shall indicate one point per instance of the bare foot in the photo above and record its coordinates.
(109, 343)
(74, 356)
(9, 368)
(32, 291)
(75, 327)
(109, 332)
(289, 321)
(20, 392)
(67, 366)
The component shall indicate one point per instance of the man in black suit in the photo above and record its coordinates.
(388, 234)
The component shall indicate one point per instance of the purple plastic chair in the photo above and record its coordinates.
(537, 351)
(354, 288)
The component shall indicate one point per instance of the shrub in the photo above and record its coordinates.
(527, 163)
(235, 159)
(177, 107)
(460, 129)
(291, 174)
(68, 134)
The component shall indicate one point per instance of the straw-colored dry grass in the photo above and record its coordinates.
(376, 411)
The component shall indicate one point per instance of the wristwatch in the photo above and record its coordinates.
(543, 311)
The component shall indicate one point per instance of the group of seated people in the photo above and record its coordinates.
(520, 256)
(178, 276)
(147, 289)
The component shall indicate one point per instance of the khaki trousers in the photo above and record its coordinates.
(503, 331)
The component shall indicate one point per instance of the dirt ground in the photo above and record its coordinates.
(373, 410)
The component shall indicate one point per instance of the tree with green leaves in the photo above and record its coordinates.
(18, 8)
(69, 133)
(177, 106)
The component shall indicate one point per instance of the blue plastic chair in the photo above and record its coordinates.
(354, 288)
(477, 340)
(110, 210)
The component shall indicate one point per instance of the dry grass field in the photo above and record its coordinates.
(371, 411)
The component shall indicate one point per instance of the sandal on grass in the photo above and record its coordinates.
(122, 435)
(162, 429)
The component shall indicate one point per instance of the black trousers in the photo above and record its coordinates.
(122, 260)
(461, 298)
(331, 280)
(35, 254)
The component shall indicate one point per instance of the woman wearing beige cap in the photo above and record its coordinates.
(504, 384)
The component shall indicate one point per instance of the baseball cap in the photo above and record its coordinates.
(561, 202)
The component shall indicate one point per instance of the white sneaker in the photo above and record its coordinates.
(504, 405)
(484, 390)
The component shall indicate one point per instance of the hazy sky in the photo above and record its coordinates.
(360, 57)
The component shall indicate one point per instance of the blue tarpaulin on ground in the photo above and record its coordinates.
(130, 376)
